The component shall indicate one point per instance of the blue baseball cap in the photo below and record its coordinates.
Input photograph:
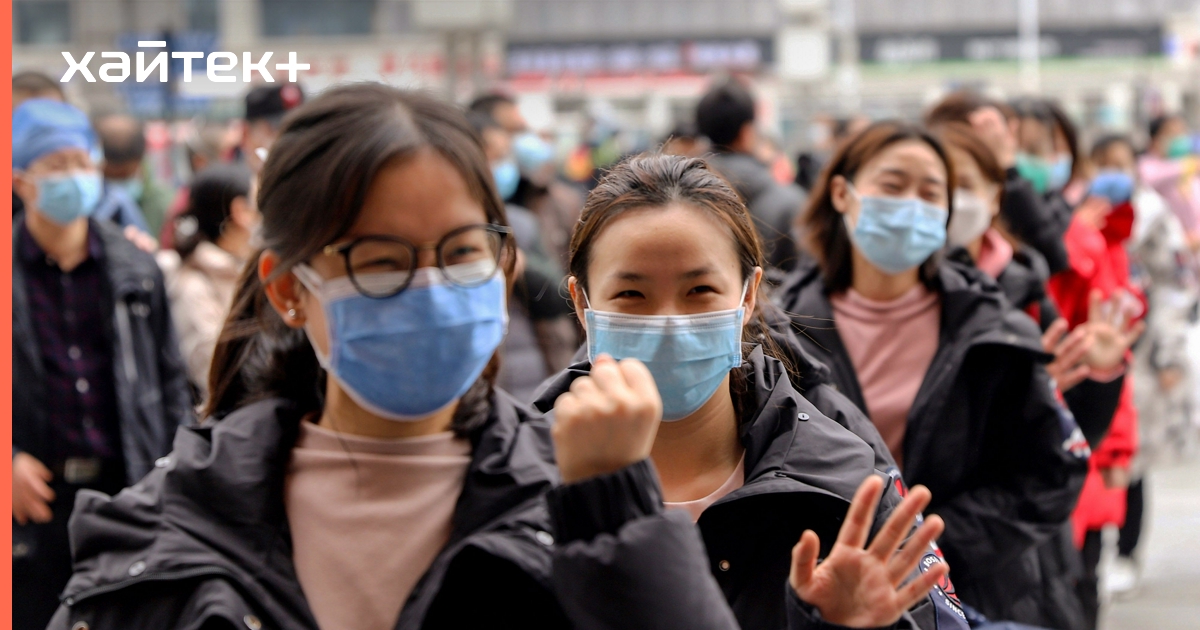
(42, 126)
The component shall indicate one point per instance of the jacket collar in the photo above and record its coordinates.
(215, 505)
(790, 446)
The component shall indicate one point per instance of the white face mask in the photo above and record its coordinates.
(972, 217)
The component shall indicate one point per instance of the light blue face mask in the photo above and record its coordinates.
(412, 354)
(1060, 173)
(897, 234)
(132, 186)
(65, 198)
(688, 355)
(507, 176)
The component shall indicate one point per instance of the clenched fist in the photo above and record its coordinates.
(607, 420)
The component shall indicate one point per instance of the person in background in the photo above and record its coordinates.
(26, 85)
(204, 146)
(977, 235)
(29, 84)
(684, 139)
(124, 140)
(1171, 168)
(265, 108)
(1025, 210)
(541, 336)
(101, 385)
(555, 203)
(946, 369)
(213, 240)
(726, 116)
(1095, 290)
(501, 108)
(1165, 267)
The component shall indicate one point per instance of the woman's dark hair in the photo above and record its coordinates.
(1063, 123)
(1102, 145)
(656, 181)
(957, 108)
(209, 201)
(828, 239)
(311, 192)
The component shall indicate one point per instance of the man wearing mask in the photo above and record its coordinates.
(726, 116)
(265, 107)
(1170, 167)
(124, 140)
(102, 386)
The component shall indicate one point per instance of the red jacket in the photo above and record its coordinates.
(1097, 260)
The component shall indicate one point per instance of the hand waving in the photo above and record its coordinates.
(1069, 350)
(607, 420)
(864, 588)
(1112, 329)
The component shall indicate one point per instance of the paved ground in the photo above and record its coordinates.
(1169, 597)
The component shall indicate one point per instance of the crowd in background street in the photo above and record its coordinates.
(370, 359)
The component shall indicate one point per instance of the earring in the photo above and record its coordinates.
(291, 313)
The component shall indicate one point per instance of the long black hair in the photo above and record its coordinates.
(210, 199)
(311, 192)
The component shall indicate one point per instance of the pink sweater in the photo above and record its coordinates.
(891, 345)
(368, 516)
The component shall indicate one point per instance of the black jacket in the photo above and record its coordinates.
(773, 206)
(149, 376)
(203, 541)
(1038, 220)
(985, 433)
(802, 469)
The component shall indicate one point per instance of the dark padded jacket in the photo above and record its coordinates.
(148, 374)
(801, 470)
(985, 434)
(1040, 220)
(203, 542)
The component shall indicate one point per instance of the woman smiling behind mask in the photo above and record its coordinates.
(665, 268)
(931, 350)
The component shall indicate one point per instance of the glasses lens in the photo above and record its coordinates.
(469, 258)
(380, 267)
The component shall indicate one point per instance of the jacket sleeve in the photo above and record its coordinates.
(1035, 470)
(1036, 220)
(1094, 403)
(172, 372)
(622, 561)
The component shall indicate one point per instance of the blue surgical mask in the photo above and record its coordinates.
(688, 355)
(65, 198)
(507, 176)
(1060, 173)
(412, 354)
(897, 234)
(132, 186)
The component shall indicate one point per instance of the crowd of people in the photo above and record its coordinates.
(391, 362)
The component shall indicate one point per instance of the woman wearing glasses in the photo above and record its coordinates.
(356, 467)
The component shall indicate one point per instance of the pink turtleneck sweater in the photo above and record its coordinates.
(891, 345)
(368, 516)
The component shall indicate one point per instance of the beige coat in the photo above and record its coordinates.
(201, 292)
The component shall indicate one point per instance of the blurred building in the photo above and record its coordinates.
(640, 64)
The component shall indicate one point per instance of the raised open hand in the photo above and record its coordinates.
(864, 588)
(1112, 329)
(1069, 350)
(607, 420)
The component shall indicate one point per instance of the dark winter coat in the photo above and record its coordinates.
(802, 470)
(1004, 461)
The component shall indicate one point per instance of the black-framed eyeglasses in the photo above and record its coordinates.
(384, 266)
